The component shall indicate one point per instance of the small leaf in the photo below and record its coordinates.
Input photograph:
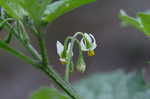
(34, 8)
(60, 7)
(127, 20)
(47, 93)
(12, 8)
(145, 21)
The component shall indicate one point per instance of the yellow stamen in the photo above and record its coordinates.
(63, 61)
(91, 53)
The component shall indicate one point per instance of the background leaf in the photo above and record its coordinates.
(47, 93)
(115, 85)
(127, 20)
(145, 20)
(141, 22)
(60, 7)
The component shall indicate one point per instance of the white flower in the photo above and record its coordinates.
(62, 52)
(88, 43)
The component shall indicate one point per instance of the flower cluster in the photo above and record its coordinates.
(87, 44)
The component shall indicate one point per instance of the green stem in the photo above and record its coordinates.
(27, 43)
(20, 55)
(66, 42)
(9, 36)
(28, 46)
(49, 71)
(43, 49)
(67, 73)
(72, 40)
(78, 33)
(33, 52)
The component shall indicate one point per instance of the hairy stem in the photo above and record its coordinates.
(64, 85)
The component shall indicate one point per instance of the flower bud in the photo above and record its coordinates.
(81, 66)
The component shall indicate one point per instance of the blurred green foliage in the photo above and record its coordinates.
(40, 10)
(141, 22)
(47, 93)
(115, 85)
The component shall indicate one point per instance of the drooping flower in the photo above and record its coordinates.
(88, 43)
(62, 52)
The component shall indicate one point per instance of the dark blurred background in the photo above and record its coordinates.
(118, 48)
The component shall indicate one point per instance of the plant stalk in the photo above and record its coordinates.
(43, 50)
(50, 72)
(67, 72)
(64, 85)
(18, 54)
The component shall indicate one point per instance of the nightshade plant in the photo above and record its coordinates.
(19, 17)
(65, 52)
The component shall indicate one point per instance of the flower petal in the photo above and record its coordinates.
(60, 48)
(88, 37)
(92, 37)
(69, 48)
(83, 46)
(94, 45)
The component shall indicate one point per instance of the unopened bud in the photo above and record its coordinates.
(81, 66)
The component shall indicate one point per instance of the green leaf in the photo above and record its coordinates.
(19, 8)
(114, 85)
(12, 8)
(34, 8)
(47, 93)
(40, 10)
(60, 7)
(127, 20)
(145, 21)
